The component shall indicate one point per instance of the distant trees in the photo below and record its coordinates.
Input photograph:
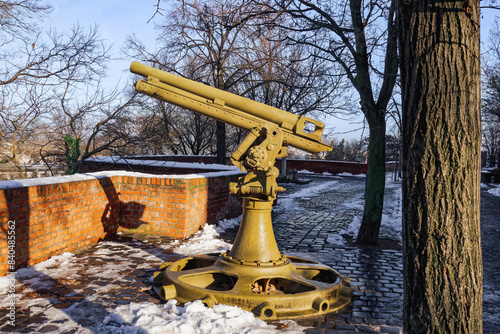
(53, 106)
(32, 67)
(491, 97)
(348, 150)
(21, 120)
(392, 147)
(89, 121)
(491, 139)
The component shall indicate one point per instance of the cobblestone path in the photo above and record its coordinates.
(302, 228)
(375, 274)
(490, 241)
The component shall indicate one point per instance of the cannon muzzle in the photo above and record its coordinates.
(299, 131)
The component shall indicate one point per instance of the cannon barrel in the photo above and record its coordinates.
(299, 131)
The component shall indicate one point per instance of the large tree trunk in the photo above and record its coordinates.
(375, 179)
(440, 74)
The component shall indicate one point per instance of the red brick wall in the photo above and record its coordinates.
(317, 166)
(54, 218)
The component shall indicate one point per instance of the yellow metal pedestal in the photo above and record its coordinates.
(255, 276)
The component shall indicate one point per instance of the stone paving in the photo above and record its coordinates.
(375, 273)
(490, 236)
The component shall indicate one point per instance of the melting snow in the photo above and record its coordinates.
(193, 318)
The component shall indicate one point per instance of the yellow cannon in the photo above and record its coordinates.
(253, 275)
(230, 108)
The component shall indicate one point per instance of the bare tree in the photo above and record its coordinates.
(360, 36)
(32, 77)
(491, 139)
(491, 73)
(209, 34)
(154, 119)
(226, 45)
(18, 18)
(88, 124)
(490, 107)
(290, 77)
(21, 120)
(490, 4)
(56, 60)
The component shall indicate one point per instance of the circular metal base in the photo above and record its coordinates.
(291, 288)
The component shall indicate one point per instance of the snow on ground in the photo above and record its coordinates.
(143, 317)
(391, 226)
(353, 228)
(495, 190)
(193, 318)
(206, 240)
(36, 277)
(287, 202)
(392, 212)
(349, 174)
(224, 224)
(306, 172)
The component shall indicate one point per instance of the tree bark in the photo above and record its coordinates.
(440, 75)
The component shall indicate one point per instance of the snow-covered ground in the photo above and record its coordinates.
(147, 317)
(136, 317)
(392, 212)
(192, 318)
(391, 226)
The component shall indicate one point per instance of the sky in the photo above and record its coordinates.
(119, 18)
(116, 20)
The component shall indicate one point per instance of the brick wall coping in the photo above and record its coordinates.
(97, 175)
(164, 164)
(213, 156)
